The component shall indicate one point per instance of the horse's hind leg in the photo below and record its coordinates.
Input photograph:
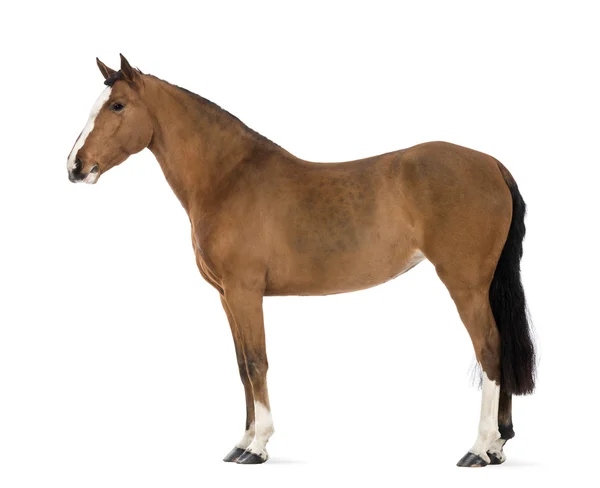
(472, 302)
(505, 426)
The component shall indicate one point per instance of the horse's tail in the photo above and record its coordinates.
(507, 300)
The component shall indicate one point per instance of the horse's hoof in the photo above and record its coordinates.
(470, 460)
(496, 457)
(250, 458)
(233, 455)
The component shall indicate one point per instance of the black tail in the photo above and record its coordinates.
(507, 299)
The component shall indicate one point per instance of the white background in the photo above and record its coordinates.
(116, 364)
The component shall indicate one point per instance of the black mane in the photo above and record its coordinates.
(208, 103)
(118, 75)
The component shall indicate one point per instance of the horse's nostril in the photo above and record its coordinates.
(94, 169)
(78, 164)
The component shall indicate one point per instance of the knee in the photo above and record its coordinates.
(251, 369)
(256, 367)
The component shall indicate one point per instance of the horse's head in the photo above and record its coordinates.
(119, 125)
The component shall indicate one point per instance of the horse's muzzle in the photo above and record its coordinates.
(76, 175)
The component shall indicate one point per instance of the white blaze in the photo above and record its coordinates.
(104, 96)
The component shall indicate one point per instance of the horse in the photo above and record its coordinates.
(267, 223)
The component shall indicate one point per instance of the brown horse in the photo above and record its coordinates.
(265, 222)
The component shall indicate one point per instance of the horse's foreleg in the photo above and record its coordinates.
(245, 309)
(248, 436)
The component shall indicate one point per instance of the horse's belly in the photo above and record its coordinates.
(339, 274)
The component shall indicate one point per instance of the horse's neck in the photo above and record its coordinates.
(195, 142)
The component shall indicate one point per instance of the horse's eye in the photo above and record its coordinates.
(117, 107)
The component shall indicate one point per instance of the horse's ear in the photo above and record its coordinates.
(105, 70)
(129, 74)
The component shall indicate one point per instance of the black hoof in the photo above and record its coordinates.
(494, 459)
(470, 460)
(250, 458)
(233, 455)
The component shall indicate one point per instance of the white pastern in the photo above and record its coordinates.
(247, 438)
(102, 99)
(263, 430)
(488, 421)
(496, 449)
